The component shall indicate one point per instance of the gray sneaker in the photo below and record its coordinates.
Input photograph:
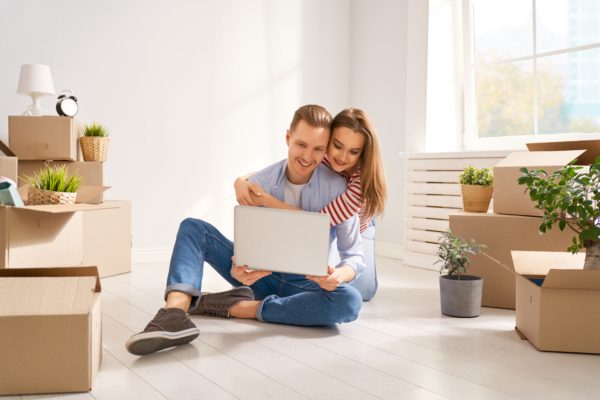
(218, 304)
(170, 327)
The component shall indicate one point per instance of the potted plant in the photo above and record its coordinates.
(94, 142)
(569, 197)
(460, 294)
(476, 185)
(52, 185)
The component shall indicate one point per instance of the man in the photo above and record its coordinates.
(271, 297)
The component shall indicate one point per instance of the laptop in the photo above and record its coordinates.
(295, 242)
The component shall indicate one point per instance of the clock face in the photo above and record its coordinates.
(69, 107)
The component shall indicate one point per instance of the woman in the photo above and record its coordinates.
(354, 153)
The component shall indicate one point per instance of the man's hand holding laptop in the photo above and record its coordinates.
(334, 277)
(245, 275)
(329, 282)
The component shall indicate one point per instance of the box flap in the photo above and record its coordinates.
(591, 147)
(588, 279)
(539, 159)
(6, 150)
(67, 208)
(540, 262)
(40, 294)
(53, 272)
(86, 193)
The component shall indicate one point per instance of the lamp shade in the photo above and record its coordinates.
(35, 78)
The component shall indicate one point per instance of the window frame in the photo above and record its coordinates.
(470, 138)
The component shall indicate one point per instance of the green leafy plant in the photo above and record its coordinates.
(454, 253)
(570, 198)
(95, 129)
(55, 179)
(476, 176)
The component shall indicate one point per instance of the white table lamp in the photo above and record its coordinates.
(35, 80)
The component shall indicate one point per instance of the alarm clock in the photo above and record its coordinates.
(66, 105)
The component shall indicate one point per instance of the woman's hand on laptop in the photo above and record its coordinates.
(329, 282)
(245, 275)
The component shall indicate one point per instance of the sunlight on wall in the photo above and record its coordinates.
(444, 75)
(193, 94)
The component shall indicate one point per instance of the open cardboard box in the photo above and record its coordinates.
(8, 162)
(50, 330)
(47, 137)
(591, 147)
(501, 234)
(62, 235)
(510, 197)
(562, 312)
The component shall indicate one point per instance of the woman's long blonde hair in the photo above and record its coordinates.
(372, 179)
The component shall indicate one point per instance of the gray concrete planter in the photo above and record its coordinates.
(461, 297)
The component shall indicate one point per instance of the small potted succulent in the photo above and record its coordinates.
(52, 185)
(476, 185)
(94, 142)
(460, 294)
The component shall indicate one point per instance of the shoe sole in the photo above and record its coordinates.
(150, 342)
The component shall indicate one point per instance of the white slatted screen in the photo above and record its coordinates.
(433, 193)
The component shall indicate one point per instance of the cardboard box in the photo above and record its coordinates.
(8, 162)
(510, 197)
(44, 137)
(561, 314)
(92, 173)
(591, 147)
(501, 234)
(50, 330)
(64, 235)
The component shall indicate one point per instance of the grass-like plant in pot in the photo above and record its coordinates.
(476, 185)
(460, 294)
(570, 198)
(94, 142)
(52, 185)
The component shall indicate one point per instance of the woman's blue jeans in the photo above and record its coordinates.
(286, 298)
(366, 283)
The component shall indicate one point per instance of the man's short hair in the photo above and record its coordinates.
(314, 115)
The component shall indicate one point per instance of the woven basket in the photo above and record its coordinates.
(94, 148)
(37, 196)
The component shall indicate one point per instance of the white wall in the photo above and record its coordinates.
(388, 79)
(194, 92)
(197, 92)
(445, 72)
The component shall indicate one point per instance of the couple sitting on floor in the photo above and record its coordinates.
(348, 186)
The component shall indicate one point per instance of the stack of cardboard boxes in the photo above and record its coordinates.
(50, 334)
(514, 227)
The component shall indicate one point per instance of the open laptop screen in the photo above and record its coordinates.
(281, 240)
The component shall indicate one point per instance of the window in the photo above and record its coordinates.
(532, 70)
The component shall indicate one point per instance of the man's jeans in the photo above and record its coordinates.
(286, 298)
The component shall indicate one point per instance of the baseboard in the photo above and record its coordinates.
(389, 250)
(142, 255)
(420, 260)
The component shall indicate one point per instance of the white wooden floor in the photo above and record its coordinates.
(400, 348)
